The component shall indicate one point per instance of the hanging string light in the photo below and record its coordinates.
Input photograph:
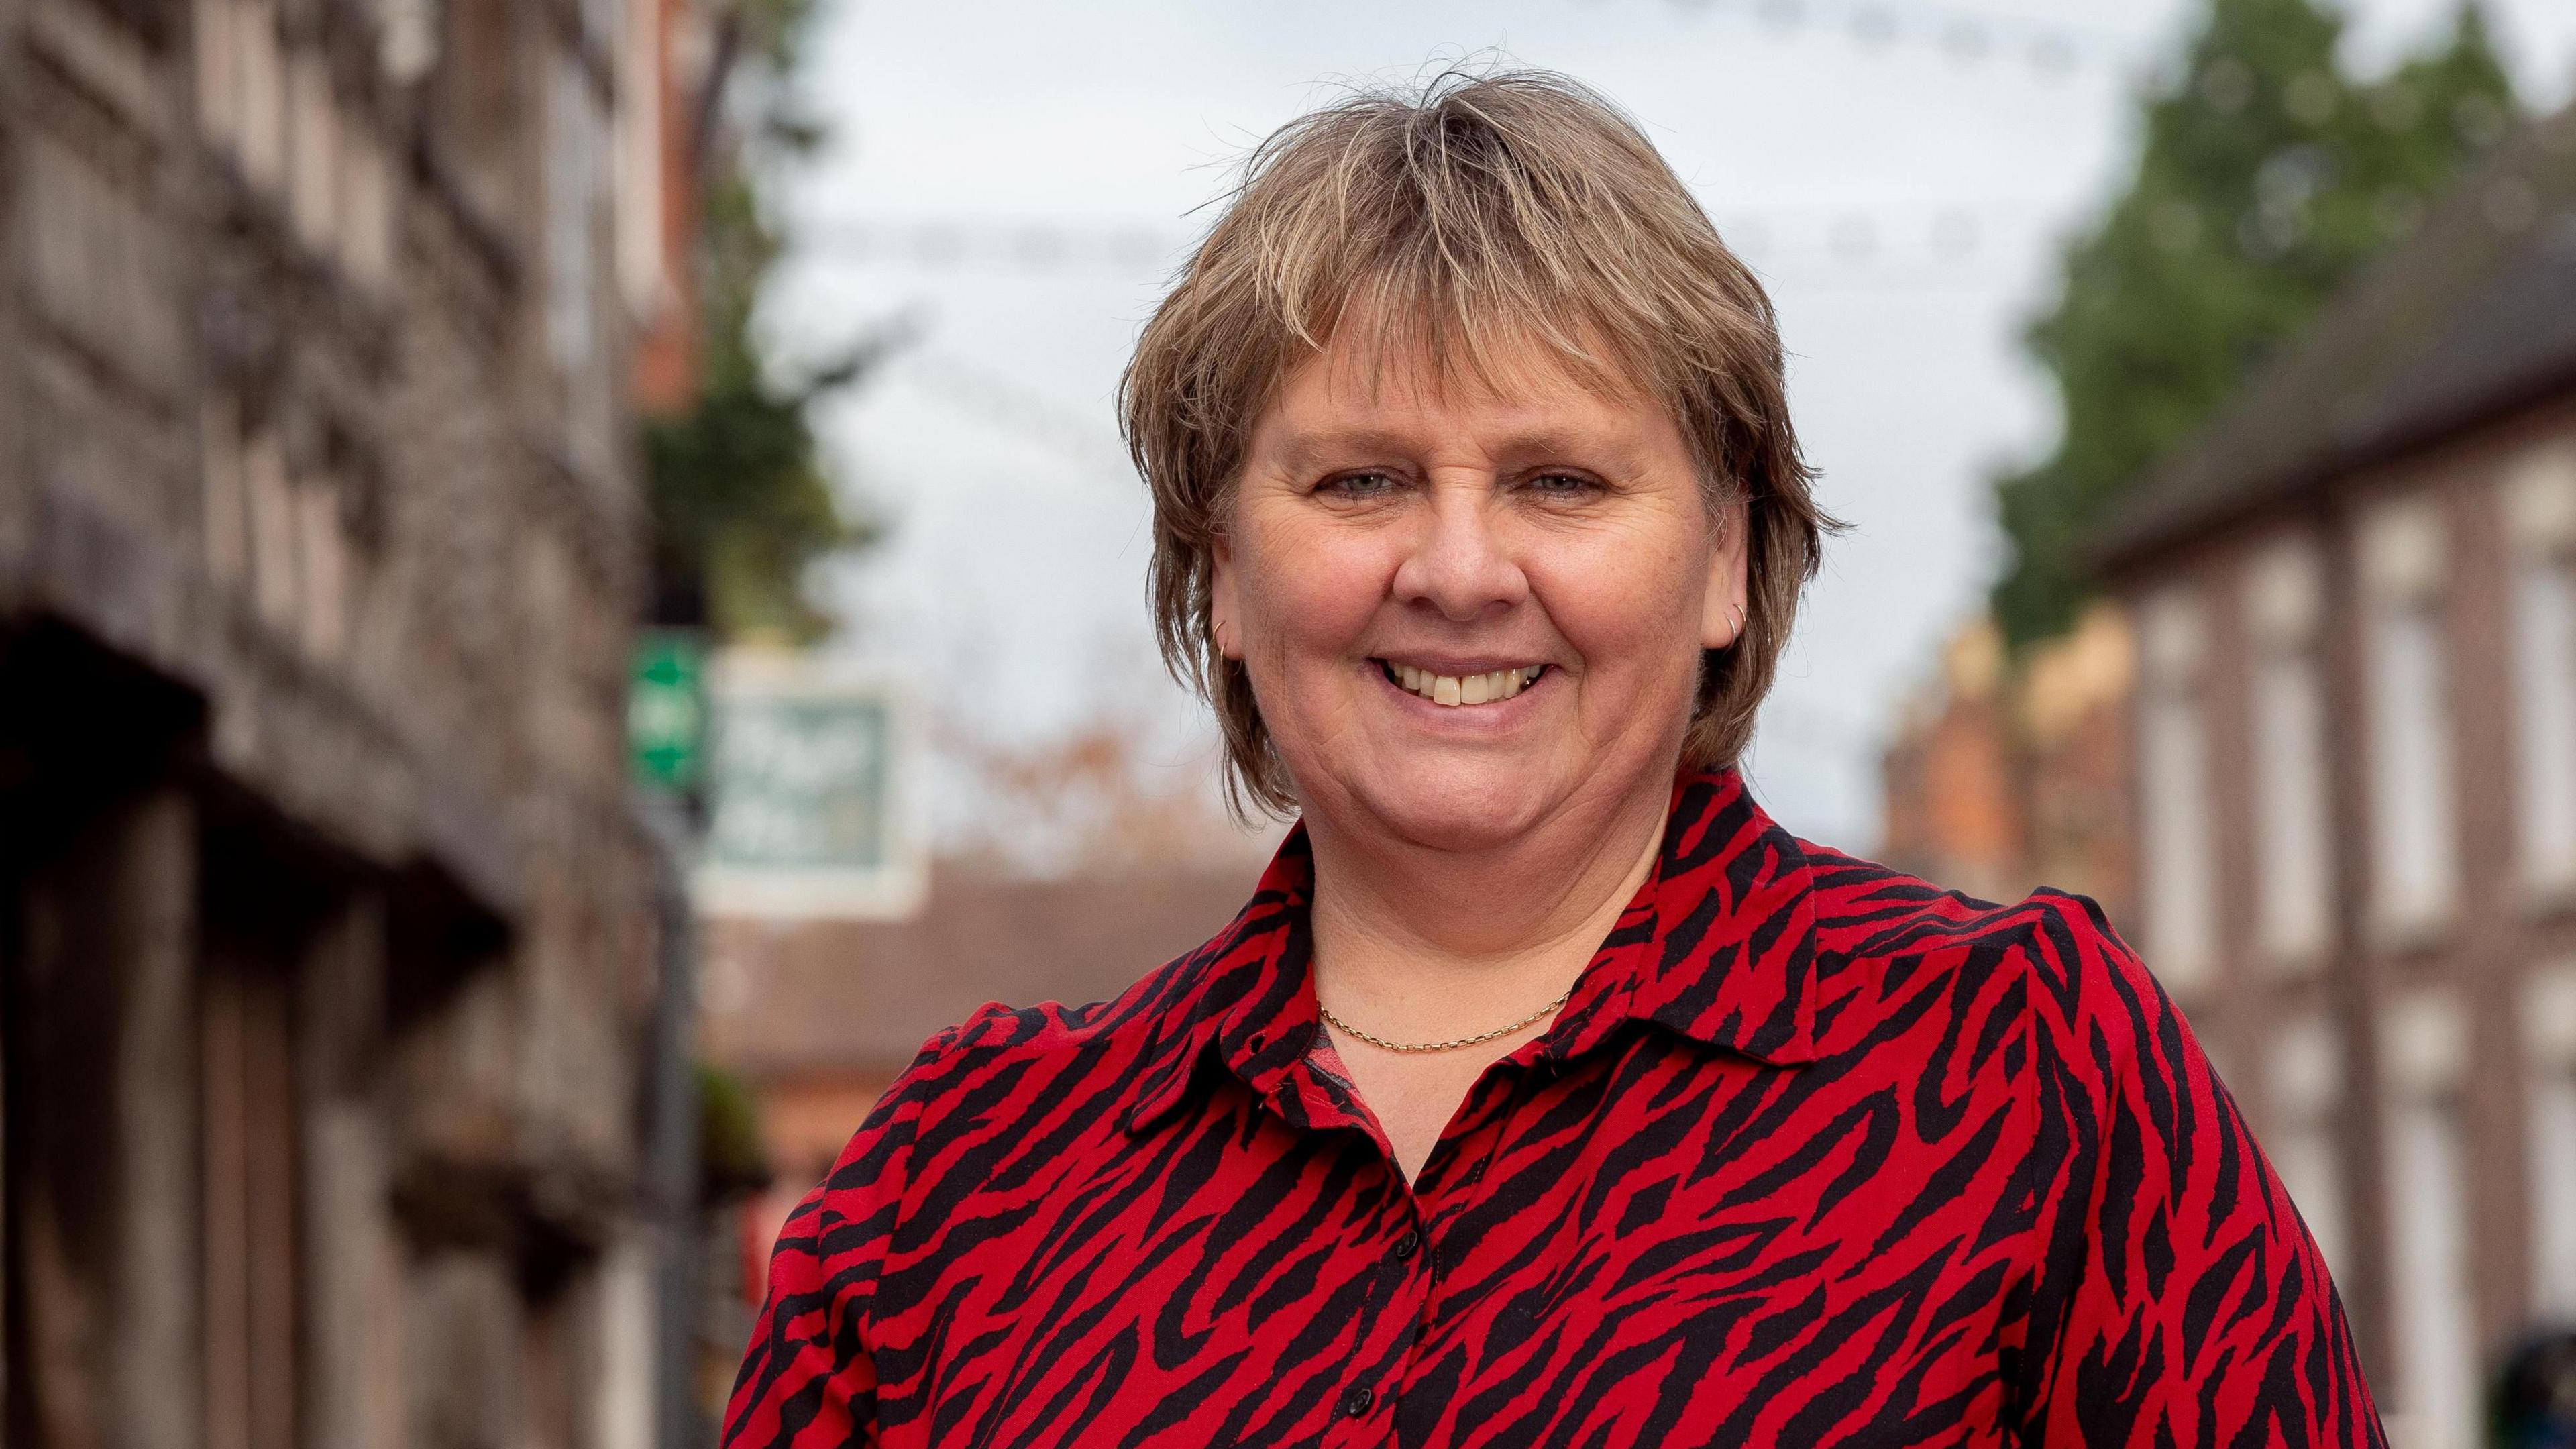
(1947, 235)
(2050, 49)
(1019, 410)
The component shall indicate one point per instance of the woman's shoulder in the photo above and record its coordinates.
(1108, 1029)
(2060, 946)
(1875, 899)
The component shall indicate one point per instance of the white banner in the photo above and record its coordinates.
(814, 808)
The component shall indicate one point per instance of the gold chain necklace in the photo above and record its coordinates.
(1441, 1046)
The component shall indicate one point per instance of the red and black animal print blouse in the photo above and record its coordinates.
(1815, 1155)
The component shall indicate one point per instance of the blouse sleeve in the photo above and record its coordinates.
(808, 1379)
(2179, 1299)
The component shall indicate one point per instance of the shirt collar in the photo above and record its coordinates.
(1718, 945)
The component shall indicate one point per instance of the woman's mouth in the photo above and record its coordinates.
(1460, 690)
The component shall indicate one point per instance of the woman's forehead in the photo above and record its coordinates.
(1338, 409)
(1500, 370)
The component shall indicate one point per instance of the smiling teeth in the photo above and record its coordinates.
(1466, 689)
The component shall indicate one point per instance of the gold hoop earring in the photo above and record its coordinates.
(1739, 624)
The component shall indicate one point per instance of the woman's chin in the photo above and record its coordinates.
(1468, 810)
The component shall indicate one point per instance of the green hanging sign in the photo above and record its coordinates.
(666, 709)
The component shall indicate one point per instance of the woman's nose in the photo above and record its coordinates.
(1460, 562)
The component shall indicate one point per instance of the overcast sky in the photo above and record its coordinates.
(1022, 177)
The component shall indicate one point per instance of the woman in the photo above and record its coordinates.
(1546, 1092)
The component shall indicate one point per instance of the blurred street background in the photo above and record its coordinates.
(569, 593)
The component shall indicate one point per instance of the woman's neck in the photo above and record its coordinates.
(1419, 938)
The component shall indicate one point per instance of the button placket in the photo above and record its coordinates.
(1384, 1354)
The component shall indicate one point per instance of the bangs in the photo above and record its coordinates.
(1481, 339)
(1434, 234)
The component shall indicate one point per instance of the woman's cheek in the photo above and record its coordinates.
(1324, 591)
(1624, 619)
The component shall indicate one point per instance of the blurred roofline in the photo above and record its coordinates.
(2451, 329)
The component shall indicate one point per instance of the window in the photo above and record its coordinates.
(366, 193)
(224, 508)
(641, 262)
(294, 541)
(268, 491)
(577, 262)
(480, 124)
(2173, 818)
(2293, 870)
(2304, 1085)
(259, 69)
(2540, 515)
(2549, 1045)
(407, 38)
(218, 71)
(575, 173)
(313, 139)
(323, 586)
(98, 263)
(2414, 859)
(2424, 1046)
(276, 111)
(603, 23)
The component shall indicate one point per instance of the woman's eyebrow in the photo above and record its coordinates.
(1301, 451)
(1556, 443)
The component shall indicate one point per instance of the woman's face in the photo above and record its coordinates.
(1468, 610)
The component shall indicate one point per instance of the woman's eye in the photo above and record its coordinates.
(1361, 485)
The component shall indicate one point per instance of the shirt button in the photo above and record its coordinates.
(1358, 1401)
(1405, 1246)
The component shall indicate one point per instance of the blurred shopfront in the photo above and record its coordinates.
(328, 957)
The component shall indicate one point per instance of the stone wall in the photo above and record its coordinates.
(319, 539)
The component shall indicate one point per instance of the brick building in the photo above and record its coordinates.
(2003, 776)
(2355, 721)
(326, 938)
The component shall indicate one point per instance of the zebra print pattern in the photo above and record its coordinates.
(1817, 1154)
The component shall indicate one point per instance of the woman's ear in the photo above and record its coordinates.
(1222, 612)
(1725, 607)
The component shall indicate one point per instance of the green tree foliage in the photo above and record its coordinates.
(742, 502)
(732, 1163)
(2267, 176)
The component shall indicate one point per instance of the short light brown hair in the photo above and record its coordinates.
(1471, 214)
